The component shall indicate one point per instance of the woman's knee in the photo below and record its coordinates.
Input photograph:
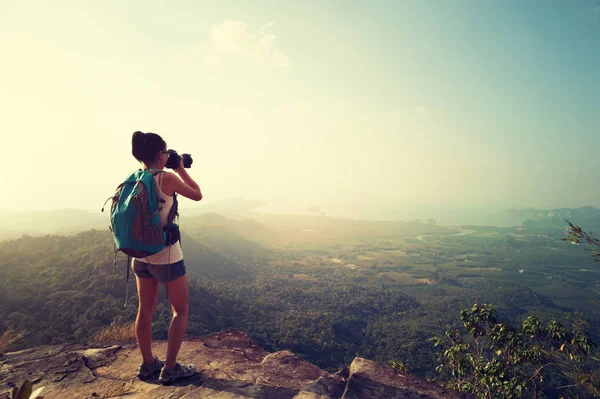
(179, 295)
(180, 310)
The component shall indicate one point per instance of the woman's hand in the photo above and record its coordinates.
(180, 167)
(184, 184)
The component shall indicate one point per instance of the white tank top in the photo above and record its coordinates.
(162, 258)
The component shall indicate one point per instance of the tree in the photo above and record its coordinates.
(495, 360)
(576, 235)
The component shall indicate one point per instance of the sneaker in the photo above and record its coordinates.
(168, 375)
(147, 370)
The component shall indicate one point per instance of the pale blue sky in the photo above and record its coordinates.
(336, 104)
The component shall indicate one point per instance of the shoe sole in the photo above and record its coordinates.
(149, 375)
(173, 379)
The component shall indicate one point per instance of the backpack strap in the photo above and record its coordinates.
(115, 249)
(174, 212)
(159, 186)
(168, 273)
(108, 199)
(114, 197)
(155, 171)
(179, 225)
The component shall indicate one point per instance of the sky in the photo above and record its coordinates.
(346, 107)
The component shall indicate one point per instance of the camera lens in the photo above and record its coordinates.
(187, 160)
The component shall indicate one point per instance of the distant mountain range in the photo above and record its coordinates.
(480, 215)
(60, 221)
(71, 221)
(586, 212)
(587, 217)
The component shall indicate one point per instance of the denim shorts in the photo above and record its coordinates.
(159, 272)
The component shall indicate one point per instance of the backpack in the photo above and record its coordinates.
(135, 219)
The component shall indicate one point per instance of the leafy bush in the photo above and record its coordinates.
(495, 360)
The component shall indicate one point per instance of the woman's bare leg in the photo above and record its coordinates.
(179, 296)
(148, 295)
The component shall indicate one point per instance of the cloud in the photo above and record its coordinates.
(304, 106)
(234, 41)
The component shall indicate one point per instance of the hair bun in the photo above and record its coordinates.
(139, 137)
(146, 146)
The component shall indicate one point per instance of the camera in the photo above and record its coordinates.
(173, 161)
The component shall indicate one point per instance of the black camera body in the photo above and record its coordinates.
(173, 161)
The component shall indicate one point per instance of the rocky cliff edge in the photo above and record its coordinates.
(230, 365)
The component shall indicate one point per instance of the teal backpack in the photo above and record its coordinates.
(135, 218)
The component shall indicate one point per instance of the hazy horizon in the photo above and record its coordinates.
(441, 214)
(305, 208)
(351, 108)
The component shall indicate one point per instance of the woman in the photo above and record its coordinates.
(151, 150)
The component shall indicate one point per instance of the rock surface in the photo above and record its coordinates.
(230, 365)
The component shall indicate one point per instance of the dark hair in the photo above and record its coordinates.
(145, 146)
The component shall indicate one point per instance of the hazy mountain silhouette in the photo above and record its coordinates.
(202, 260)
(59, 221)
(236, 238)
(242, 235)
